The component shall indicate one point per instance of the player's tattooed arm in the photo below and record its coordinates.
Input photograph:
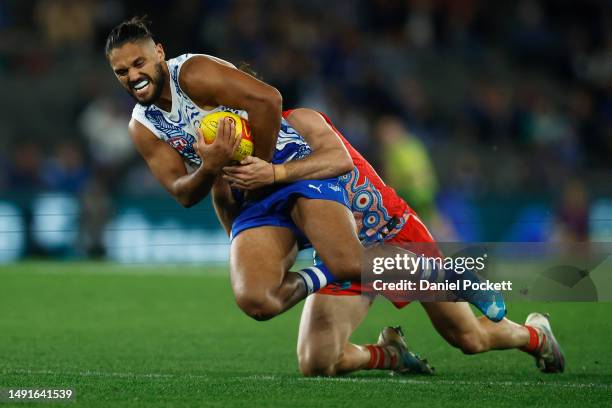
(169, 169)
(211, 83)
(328, 159)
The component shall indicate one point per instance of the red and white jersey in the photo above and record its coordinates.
(379, 212)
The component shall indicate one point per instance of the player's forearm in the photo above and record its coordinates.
(264, 119)
(193, 188)
(226, 207)
(319, 165)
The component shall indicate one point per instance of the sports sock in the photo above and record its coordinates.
(316, 277)
(490, 302)
(536, 338)
(382, 358)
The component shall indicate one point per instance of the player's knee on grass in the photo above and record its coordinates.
(260, 307)
(317, 364)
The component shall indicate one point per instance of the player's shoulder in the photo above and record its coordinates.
(305, 118)
(140, 125)
(196, 74)
(141, 113)
(138, 113)
(300, 113)
(192, 65)
(136, 125)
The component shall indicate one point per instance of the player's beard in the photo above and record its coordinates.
(156, 81)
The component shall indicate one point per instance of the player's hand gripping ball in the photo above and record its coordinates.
(209, 130)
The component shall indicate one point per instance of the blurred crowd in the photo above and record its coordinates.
(449, 99)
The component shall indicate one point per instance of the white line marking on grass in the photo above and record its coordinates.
(434, 380)
(116, 269)
(89, 373)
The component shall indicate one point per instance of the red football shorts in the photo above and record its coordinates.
(414, 231)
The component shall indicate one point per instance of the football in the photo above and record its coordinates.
(209, 130)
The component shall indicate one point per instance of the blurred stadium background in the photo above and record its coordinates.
(492, 119)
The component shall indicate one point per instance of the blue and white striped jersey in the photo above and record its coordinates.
(178, 127)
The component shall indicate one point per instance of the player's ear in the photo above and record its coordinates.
(161, 55)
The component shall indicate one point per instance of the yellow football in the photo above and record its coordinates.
(209, 130)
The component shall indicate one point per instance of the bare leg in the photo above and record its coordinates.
(259, 261)
(330, 228)
(325, 327)
(261, 257)
(459, 326)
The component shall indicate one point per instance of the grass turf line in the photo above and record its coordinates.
(148, 336)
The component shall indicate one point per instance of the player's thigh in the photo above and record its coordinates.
(326, 325)
(259, 258)
(453, 320)
(330, 227)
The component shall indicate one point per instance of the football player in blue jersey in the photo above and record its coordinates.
(173, 96)
(268, 221)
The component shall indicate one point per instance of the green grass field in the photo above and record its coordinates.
(172, 336)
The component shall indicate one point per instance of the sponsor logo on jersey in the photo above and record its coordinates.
(333, 187)
(318, 188)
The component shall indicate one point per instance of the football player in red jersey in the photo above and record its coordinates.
(331, 315)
